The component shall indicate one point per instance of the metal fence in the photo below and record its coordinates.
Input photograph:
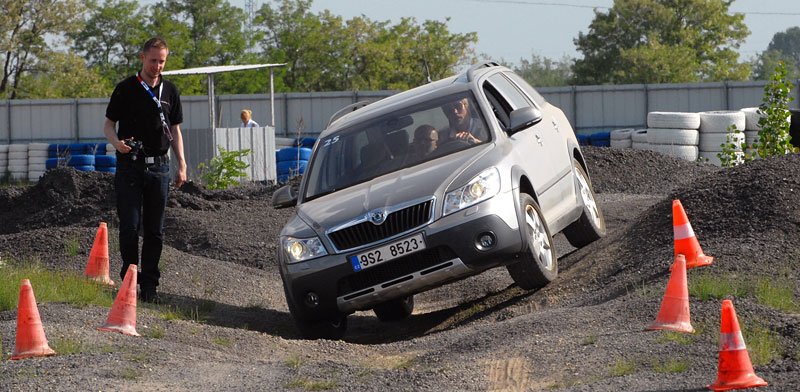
(588, 108)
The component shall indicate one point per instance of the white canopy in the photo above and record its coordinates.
(211, 70)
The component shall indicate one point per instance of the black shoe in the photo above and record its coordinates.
(149, 295)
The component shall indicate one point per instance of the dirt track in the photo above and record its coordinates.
(479, 334)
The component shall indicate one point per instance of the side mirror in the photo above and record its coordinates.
(523, 118)
(285, 196)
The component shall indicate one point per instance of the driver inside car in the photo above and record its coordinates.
(461, 124)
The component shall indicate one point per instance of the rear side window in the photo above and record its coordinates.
(538, 99)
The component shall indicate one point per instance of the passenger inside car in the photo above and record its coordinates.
(426, 139)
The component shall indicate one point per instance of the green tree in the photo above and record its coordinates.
(28, 29)
(62, 75)
(637, 39)
(112, 38)
(784, 47)
(542, 71)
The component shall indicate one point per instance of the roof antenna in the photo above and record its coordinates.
(427, 70)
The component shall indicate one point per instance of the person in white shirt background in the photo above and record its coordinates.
(247, 120)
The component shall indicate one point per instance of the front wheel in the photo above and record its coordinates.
(538, 264)
(333, 328)
(395, 310)
(591, 226)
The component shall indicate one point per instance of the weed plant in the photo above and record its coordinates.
(50, 286)
(622, 367)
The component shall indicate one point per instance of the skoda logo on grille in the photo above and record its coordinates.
(377, 217)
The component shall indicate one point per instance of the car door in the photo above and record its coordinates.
(530, 145)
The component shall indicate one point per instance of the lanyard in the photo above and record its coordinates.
(164, 126)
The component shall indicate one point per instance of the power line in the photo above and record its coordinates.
(557, 4)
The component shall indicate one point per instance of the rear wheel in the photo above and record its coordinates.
(591, 226)
(538, 264)
(396, 309)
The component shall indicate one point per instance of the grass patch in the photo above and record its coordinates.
(220, 341)
(50, 286)
(294, 362)
(130, 373)
(676, 337)
(311, 385)
(671, 366)
(65, 346)
(589, 340)
(155, 332)
(622, 367)
(776, 294)
(763, 345)
(176, 313)
(72, 246)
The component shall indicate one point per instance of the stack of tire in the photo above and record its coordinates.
(674, 134)
(18, 161)
(37, 157)
(291, 162)
(3, 159)
(79, 156)
(105, 159)
(639, 140)
(583, 140)
(751, 128)
(600, 139)
(714, 134)
(621, 138)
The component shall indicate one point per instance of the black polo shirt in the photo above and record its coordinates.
(136, 114)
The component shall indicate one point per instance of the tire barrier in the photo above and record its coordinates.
(306, 142)
(105, 161)
(293, 154)
(687, 137)
(673, 120)
(712, 142)
(3, 159)
(289, 169)
(600, 139)
(64, 149)
(718, 121)
(583, 140)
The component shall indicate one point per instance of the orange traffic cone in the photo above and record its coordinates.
(685, 240)
(31, 341)
(674, 313)
(122, 318)
(97, 266)
(735, 370)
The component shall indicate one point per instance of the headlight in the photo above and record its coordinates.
(301, 249)
(484, 186)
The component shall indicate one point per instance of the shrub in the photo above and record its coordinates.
(774, 138)
(225, 169)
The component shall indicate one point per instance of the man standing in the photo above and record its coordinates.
(148, 111)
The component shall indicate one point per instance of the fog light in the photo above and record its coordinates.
(485, 241)
(312, 300)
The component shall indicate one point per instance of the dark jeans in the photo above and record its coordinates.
(142, 192)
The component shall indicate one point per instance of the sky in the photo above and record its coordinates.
(510, 30)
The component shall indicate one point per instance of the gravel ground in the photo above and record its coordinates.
(583, 332)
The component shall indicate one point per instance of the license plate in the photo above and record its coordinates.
(387, 252)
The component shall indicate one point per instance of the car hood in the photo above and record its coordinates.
(416, 183)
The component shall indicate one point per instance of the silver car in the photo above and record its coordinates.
(429, 186)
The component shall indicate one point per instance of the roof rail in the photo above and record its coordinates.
(477, 66)
(347, 109)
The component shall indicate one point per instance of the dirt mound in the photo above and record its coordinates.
(748, 217)
(638, 171)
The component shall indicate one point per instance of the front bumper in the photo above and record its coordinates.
(451, 253)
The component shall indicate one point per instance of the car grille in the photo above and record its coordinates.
(397, 222)
(394, 269)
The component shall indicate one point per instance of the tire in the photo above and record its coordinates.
(80, 160)
(3, 147)
(621, 134)
(712, 141)
(291, 167)
(591, 226)
(750, 137)
(34, 176)
(687, 153)
(537, 265)
(52, 163)
(292, 154)
(18, 147)
(621, 143)
(38, 146)
(105, 160)
(639, 136)
(37, 153)
(718, 121)
(751, 117)
(17, 155)
(37, 167)
(640, 146)
(326, 329)
(395, 310)
(676, 120)
(687, 137)
(83, 167)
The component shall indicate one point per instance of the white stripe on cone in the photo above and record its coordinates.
(682, 232)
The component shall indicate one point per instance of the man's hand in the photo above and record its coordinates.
(467, 137)
(180, 176)
(121, 146)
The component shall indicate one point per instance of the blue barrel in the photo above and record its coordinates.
(307, 142)
(600, 139)
(291, 167)
(105, 161)
(583, 140)
(52, 163)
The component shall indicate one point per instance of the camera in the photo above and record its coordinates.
(135, 145)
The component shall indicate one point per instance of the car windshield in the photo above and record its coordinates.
(405, 138)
